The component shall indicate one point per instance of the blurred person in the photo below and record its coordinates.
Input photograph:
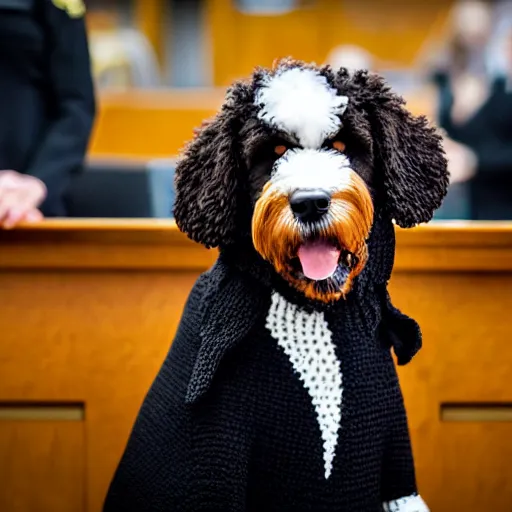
(475, 112)
(460, 75)
(47, 105)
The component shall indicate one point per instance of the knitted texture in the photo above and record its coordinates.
(240, 420)
(307, 341)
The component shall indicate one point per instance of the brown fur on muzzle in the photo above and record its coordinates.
(277, 234)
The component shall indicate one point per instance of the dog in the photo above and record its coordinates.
(280, 391)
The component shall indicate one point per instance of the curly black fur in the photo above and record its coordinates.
(409, 162)
(209, 182)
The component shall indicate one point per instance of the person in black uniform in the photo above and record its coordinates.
(47, 105)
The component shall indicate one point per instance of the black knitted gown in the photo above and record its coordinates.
(269, 402)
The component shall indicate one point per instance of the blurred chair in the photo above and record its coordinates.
(113, 188)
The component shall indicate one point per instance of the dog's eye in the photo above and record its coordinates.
(280, 150)
(338, 145)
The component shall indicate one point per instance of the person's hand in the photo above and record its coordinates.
(462, 161)
(20, 197)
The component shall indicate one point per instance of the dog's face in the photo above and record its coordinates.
(312, 208)
(299, 158)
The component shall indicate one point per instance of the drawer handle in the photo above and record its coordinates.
(488, 412)
(42, 411)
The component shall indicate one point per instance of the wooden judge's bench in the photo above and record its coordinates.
(89, 308)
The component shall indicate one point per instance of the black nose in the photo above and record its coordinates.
(310, 205)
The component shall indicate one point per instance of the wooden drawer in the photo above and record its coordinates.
(42, 466)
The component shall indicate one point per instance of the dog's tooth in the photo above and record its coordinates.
(325, 225)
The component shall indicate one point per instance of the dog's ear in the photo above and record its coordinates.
(410, 168)
(207, 177)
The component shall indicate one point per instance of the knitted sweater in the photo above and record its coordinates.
(269, 402)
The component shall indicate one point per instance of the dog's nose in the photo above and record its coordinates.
(310, 205)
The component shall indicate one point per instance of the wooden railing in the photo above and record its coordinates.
(89, 309)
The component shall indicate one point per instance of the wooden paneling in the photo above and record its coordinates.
(455, 246)
(88, 314)
(42, 464)
(457, 282)
(474, 472)
(89, 309)
(393, 31)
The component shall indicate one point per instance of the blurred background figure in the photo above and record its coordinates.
(475, 109)
(46, 104)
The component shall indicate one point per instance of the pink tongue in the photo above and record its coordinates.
(318, 259)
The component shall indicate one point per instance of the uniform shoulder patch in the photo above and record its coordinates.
(74, 8)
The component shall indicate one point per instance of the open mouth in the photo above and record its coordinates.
(320, 259)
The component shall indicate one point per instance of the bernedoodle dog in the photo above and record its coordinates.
(280, 391)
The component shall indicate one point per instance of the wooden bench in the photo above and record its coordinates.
(89, 309)
(150, 123)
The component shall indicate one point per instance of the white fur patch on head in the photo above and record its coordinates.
(301, 102)
(311, 169)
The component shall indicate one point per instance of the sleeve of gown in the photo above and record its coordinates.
(220, 455)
